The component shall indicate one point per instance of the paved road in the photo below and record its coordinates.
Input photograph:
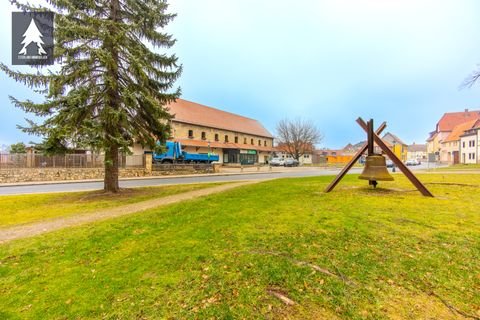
(83, 186)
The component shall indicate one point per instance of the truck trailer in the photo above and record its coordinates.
(175, 154)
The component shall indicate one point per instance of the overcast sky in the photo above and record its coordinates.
(401, 61)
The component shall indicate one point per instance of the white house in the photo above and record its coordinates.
(469, 141)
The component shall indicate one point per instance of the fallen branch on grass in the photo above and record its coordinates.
(453, 308)
(455, 184)
(281, 296)
(337, 275)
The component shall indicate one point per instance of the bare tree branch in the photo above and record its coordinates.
(298, 137)
(471, 79)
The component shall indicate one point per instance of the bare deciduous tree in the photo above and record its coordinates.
(298, 136)
(471, 79)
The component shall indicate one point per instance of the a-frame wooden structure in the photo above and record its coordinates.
(376, 139)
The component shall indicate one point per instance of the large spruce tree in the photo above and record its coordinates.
(111, 86)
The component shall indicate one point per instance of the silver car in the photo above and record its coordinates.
(276, 162)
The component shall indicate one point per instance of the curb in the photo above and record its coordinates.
(38, 183)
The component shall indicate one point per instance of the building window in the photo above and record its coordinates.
(463, 144)
(473, 156)
(244, 140)
(251, 141)
(236, 139)
(226, 138)
(204, 135)
(190, 134)
(259, 142)
(216, 136)
(265, 143)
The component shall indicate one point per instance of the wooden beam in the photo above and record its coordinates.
(413, 179)
(350, 164)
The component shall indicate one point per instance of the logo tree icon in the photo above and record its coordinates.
(32, 35)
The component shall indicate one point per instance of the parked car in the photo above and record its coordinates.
(412, 162)
(291, 163)
(275, 162)
(390, 163)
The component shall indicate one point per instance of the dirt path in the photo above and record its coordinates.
(33, 229)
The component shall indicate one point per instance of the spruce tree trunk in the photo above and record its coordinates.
(110, 181)
(111, 153)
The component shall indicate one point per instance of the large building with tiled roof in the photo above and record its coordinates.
(450, 146)
(445, 126)
(203, 129)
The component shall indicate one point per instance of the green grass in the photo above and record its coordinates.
(218, 256)
(460, 167)
(20, 209)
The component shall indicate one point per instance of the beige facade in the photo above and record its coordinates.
(304, 159)
(417, 155)
(434, 144)
(449, 151)
(201, 139)
(417, 152)
(235, 139)
(183, 131)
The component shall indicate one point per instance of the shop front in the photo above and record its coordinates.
(240, 156)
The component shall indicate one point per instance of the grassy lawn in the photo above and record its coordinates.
(460, 167)
(30, 208)
(355, 253)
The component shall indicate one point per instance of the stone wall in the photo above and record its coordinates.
(65, 174)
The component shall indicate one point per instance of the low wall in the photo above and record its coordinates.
(62, 174)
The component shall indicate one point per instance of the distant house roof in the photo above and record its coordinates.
(353, 147)
(460, 130)
(392, 139)
(197, 114)
(329, 152)
(452, 119)
(417, 148)
(284, 148)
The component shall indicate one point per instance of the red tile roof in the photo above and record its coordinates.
(453, 119)
(194, 113)
(460, 129)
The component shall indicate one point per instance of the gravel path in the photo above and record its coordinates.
(33, 229)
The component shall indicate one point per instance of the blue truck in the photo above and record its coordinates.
(175, 154)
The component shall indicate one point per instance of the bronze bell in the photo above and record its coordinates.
(375, 170)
